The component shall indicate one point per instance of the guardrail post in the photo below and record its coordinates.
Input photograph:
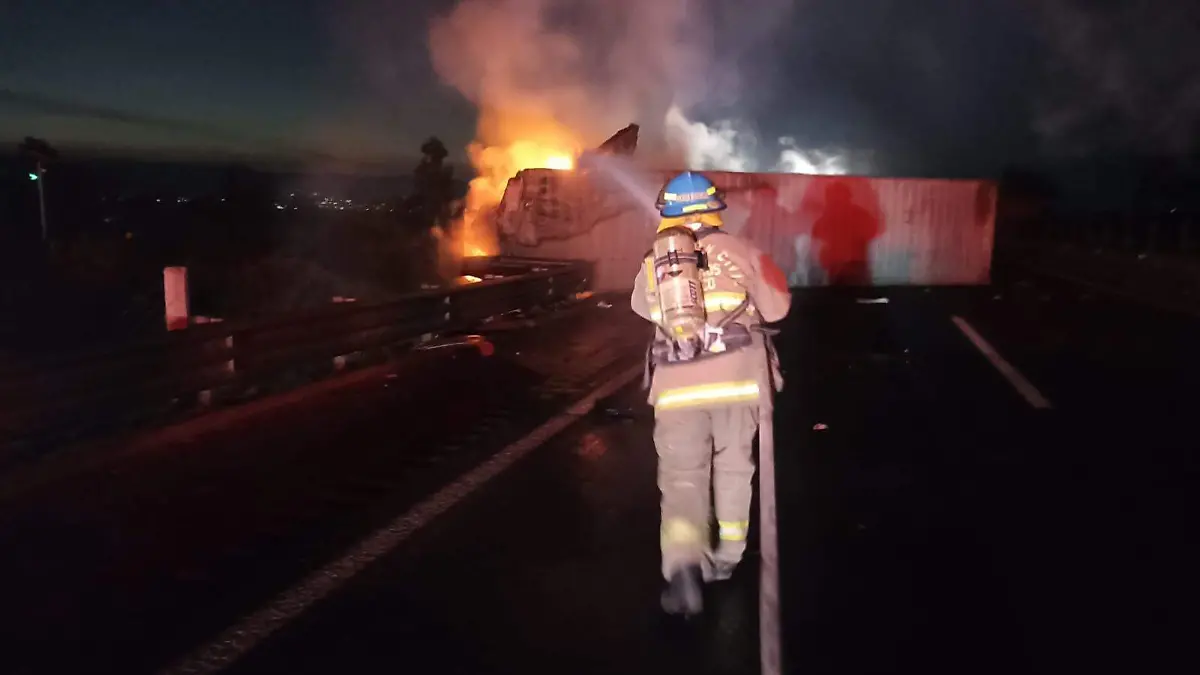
(204, 397)
(175, 294)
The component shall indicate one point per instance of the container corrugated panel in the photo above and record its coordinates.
(822, 230)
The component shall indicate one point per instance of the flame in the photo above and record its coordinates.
(538, 144)
(560, 162)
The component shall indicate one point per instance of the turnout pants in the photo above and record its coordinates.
(704, 456)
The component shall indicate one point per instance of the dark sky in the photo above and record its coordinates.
(947, 83)
(264, 68)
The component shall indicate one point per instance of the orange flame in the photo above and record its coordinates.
(547, 147)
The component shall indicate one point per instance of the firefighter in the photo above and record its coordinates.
(706, 401)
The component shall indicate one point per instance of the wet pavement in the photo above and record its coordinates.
(127, 564)
(552, 566)
(931, 519)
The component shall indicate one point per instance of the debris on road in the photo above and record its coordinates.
(604, 305)
(872, 301)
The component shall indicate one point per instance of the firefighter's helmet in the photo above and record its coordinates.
(689, 194)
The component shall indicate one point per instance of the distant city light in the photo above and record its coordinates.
(320, 201)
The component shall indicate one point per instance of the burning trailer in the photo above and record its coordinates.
(821, 230)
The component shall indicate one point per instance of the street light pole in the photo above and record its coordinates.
(41, 153)
(41, 198)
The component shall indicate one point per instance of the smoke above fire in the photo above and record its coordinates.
(728, 146)
(551, 78)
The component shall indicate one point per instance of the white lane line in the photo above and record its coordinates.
(1023, 386)
(237, 640)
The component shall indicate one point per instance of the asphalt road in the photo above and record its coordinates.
(934, 516)
(126, 563)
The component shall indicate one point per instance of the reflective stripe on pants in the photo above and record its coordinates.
(707, 395)
(733, 530)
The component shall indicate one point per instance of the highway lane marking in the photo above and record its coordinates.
(237, 640)
(1019, 382)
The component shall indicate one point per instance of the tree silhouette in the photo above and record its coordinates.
(433, 151)
(38, 149)
(434, 184)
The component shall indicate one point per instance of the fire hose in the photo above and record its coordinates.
(768, 587)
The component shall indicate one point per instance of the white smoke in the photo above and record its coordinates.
(720, 147)
(793, 159)
(572, 72)
(723, 147)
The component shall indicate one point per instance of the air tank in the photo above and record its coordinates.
(678, 260)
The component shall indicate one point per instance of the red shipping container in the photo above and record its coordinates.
(821, 230)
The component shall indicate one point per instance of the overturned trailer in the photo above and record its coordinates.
(822, 230)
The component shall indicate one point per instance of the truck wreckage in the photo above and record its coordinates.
(548, 204)
(820, 229)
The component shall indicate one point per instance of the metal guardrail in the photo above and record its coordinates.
(1170, 283)
(68, 389)
(1177, 236)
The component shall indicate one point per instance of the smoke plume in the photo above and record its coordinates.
(1127, 73)
(727, 145)
(568, 74)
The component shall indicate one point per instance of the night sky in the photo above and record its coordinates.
(946, 83)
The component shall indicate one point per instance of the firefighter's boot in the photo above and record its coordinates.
(683, 594)
(719, 569)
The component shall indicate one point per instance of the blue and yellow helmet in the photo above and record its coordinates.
(689, 194)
